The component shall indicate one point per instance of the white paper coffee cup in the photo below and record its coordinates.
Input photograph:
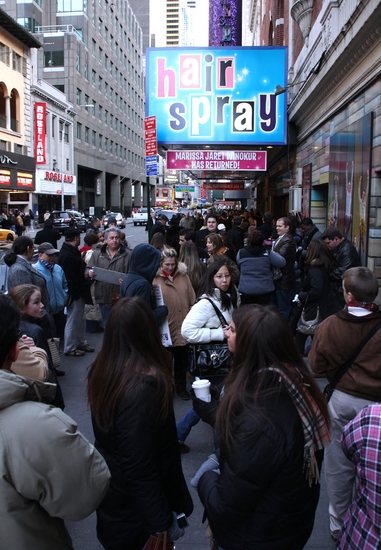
(202, 390)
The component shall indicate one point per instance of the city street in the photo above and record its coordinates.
(200, 441)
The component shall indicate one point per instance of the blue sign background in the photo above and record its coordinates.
(196, 101)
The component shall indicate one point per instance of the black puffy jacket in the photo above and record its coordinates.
(286, 248)
(147, 481)
(262, 500)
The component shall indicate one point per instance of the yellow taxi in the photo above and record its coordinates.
(7, 235)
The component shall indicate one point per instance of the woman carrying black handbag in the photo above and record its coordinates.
(203, 325)
(315, 295)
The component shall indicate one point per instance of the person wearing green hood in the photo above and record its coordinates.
(143, 266)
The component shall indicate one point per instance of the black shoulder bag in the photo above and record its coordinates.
(211, 359)
(330, 388)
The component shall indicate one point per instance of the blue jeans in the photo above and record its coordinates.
(105, 312)
(282, 300)
(185, 425)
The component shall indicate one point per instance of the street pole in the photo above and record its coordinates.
(149, 219)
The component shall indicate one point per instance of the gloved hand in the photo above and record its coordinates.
(175, 532)
(207, 411)
(162, 311)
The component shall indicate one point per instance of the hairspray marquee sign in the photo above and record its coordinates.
(217, 95)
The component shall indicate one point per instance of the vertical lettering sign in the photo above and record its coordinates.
(40, 132)
(215, 95)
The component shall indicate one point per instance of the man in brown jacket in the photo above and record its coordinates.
(334, 342)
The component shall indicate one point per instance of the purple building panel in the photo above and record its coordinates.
(225, 22)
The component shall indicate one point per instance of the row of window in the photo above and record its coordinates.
(9, 56)
(103, 114)
(108, 145)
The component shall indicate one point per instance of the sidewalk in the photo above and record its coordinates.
(200, 441)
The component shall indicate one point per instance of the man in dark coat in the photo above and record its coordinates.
(346, 257)
(159, 225)
(236, 234)
(310, 233)
(47, 235)
(211, 227)
(267, 227)
(71, 261)
(285, 285)
(144, 263)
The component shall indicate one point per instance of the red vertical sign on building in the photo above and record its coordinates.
(40, 132)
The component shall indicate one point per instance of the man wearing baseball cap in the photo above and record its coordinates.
(71, 261)
(56, 284)
(159, 226)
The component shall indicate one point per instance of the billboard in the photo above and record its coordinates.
(217, 95)
(217, 160)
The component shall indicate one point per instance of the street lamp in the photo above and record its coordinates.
(73, 112)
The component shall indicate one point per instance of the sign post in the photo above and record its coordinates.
(151, 163)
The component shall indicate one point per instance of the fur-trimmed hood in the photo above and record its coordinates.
(181, 269)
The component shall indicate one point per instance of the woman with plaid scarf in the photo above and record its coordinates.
(272, 428)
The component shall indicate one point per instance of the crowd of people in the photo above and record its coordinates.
(261, 308)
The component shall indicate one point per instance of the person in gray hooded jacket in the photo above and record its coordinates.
(49, 472)
(143, 266)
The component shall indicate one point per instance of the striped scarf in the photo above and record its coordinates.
(46, 264)
(315, 429)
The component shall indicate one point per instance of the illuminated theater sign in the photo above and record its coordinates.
(217, 95)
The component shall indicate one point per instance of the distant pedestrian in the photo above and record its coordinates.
(47, 235)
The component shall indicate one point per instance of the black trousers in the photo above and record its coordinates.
(180, 366)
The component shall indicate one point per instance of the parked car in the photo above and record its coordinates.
(120, 223)
(62, 221)
(168, 213)
(7, 235)
(140, 216)
(80, 219)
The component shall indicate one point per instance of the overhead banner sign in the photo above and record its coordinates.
(228, 186)
(40, 132)
(151, 145)
(217, 160)
(218, 95)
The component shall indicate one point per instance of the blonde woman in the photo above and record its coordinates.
(179, 297)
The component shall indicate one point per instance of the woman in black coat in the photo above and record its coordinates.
(315, 296)
(272, 428)
(130, 393)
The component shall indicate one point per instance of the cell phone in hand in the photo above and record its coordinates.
(182, 521)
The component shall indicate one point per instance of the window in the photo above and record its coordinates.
(106, 89)
(79, 93)
(100, 141)
(86, 134)
(100, 26)
(111, 120)
(93, 138)
(93, 77)
(100, 83)
(100, 56)
(100, 112)
(94, 44)
(86, 101)
(106, 62)
(86, 71)
(111, 95)
(79, 130)
(111, 146)
(106, 144)
(52, 59)
(53, 125)
(106, 116)
(4, 54)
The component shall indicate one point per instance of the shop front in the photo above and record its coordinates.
(50, 187)
(17, 181)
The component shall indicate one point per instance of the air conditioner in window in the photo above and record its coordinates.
(295, 199)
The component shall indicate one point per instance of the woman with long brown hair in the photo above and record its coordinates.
(272, 429)
(130, 393)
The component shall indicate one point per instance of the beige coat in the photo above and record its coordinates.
(179, 297)
(32, 362)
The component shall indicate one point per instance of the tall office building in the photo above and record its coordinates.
(181, 23)
(93, 54)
